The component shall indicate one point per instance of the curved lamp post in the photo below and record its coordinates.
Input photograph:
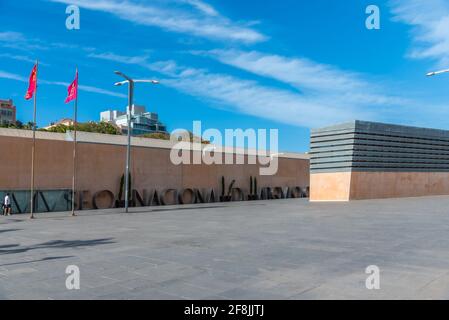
(430, 74)
(130, 83)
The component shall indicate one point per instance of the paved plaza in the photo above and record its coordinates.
(283, 249)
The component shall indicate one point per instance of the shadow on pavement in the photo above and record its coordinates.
(59, 244)
(138, 210)
(9, 230)
(9, 246)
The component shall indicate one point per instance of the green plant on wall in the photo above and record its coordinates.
(226, 195)
(223, 186)
(253, 189)
(231, 186)
(122, 188)
(100, 127)
(251, 185)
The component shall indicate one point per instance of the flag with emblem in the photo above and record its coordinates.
(32, 86)
(72, 90)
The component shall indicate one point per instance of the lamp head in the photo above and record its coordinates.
(121, 83)
(146, 81)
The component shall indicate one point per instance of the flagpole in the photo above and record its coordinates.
(33, 149)
(74, 152)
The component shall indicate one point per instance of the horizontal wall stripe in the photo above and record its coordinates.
(378, 137)
(368, 146)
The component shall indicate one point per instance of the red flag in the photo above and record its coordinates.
(33, 84)
(72, 90)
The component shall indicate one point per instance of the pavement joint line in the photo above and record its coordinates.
(295, 252)
(64, 215)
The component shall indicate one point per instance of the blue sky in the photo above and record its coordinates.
(289, 65)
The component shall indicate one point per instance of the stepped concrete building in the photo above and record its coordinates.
(366, 160)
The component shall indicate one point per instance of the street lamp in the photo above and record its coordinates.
(430, 74)
(130, 83)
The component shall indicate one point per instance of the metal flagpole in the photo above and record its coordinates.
(74, 151)
(33, 149)
(128, 148)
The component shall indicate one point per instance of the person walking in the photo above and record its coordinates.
(7, 205)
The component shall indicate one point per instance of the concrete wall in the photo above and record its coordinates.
(101, 163)
(376, 185)
(345, 186)
(366, 160)
(330, 186)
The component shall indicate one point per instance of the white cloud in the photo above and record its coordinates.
(342, 96)
(430, 22)
(99, 91)
(313, 108)
(308, 76)
(16, 40)
(12, 76)
(249, 97)
(118, 58)
(203, 7)
(10, 36)
(301, 73)
(205, 22)
(86, 88)
(168, 68)
(20, 58)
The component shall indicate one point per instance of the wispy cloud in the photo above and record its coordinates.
(430, 22)
(119, 58)
(20, 42)
(308, 76)
(205, 22)
(168, 68)
(86, 88)
(9, 36)
(318, 104)
(16, 40)
(20, 58)
(250, 97)
(11, 76)
(16, 77)
(301, 73)
(98, 90)
(203, 7)
(308, 109)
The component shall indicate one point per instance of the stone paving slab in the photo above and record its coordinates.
(286, 249)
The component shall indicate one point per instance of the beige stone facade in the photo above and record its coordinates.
(345, 186)
(101, 163)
